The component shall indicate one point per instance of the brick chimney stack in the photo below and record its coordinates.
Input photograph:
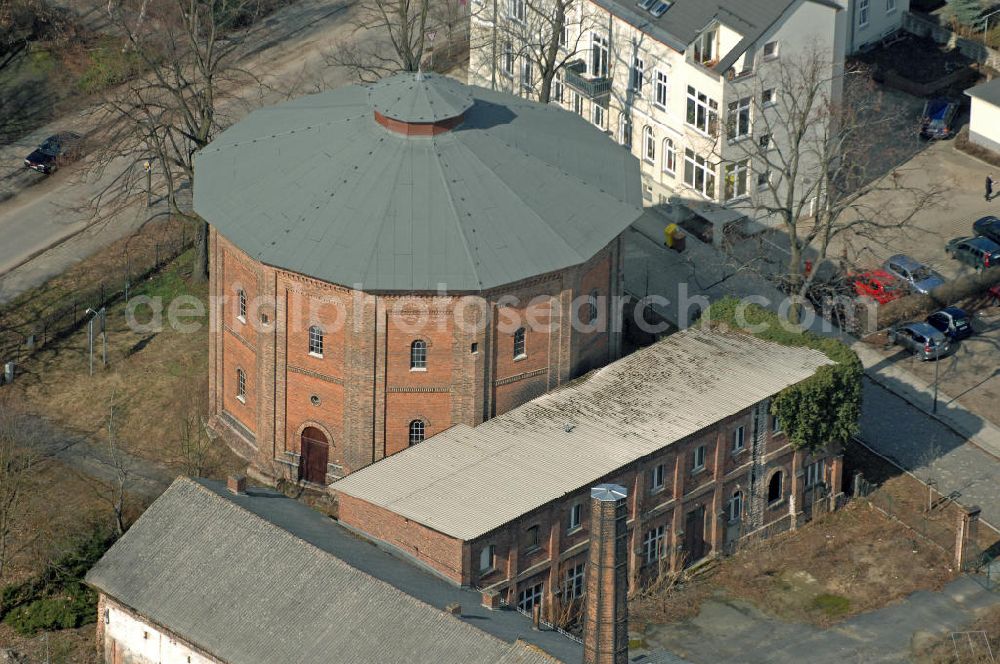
(605, 618)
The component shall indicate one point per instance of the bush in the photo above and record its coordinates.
(819, 410)
(109, 65)
(833, 606)
(77, 607)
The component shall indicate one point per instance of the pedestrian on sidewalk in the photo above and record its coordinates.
(989, 187)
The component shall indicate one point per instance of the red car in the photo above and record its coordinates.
(994, 293)
(878, 285)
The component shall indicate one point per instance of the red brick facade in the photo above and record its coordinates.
(688, 497)
(360, 392)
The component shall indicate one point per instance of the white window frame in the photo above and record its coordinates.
(241, 385)
(598, 62)
(637, 75)
(815, 473)
(890, 6)
(558, 91)
(598, 115)
(736, 506)
(864, 11)
(657, 477)
(698, 459)
(574, 518)
(774, 46)
(669, 157)
(575, 582)
(654, 544)
(740, 173)
(648, 145)
(695, 164)
(660, 90)
(738, 119)
(517, 10)
(418, 355)
(417, 430)
(530, 597)
(316, 341)
(241, 305)
(704, 50)
(527, 74)
(578, 103)
(739, 439)
(775, 425)
(772, 93)
(702, 112)
(625, 130)
(520, 343)
(507, 59)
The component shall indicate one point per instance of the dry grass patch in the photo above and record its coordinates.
(845, 563)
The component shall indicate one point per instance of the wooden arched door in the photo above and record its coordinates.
(315, 456)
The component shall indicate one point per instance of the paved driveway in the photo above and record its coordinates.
(737, 632)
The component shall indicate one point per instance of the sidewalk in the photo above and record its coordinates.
(955, 448)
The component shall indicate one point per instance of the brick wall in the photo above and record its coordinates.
(559, 548)
(361, 391)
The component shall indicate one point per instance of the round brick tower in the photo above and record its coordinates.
(390, 260)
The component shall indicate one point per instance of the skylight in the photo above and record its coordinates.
(659, 9)
(646, 4)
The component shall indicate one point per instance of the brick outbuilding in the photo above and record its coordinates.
(393, 260)
(684, 425)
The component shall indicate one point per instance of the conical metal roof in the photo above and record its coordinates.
(420, 97)
(318, 187)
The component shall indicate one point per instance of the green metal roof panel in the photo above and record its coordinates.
(316, 186)
(420, 97)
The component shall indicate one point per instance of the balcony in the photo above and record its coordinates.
(592, 88)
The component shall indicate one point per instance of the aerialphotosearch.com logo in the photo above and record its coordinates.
(469, 314)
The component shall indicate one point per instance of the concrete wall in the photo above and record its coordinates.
(984, 124)
(127, 638)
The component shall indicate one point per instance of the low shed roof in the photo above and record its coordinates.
(467, 481)
(258, 578)
(988, 92)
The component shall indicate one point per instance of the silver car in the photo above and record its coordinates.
(920, 339)
(913, 273)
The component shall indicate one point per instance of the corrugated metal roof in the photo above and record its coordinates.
(318, 187)
(686, 19)
(210, 568)
(466, 481)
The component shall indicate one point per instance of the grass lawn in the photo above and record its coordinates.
(845, 563)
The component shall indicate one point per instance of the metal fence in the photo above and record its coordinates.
(28, 325)
(933, 522)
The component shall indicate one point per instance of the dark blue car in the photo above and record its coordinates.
(939, 115)
(953, 322)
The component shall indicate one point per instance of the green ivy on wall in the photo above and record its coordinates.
(823, 408)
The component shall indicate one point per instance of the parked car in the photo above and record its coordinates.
(915, 274)
(979, 252)
(54, 152)
(878, 285)
(952, 322)
(938, 119)
(988, 227)
(994, 293)
(920, 339)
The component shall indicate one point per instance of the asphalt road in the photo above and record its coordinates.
(39, 212)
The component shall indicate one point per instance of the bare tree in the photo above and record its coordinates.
(825, 160)
(20, 454)
(395, 38)
(545, 36)
(189, 51)
(196, 445)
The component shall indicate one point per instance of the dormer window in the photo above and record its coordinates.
(704, 47)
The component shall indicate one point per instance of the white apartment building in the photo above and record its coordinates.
(683, 84)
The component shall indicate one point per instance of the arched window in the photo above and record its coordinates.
(591, 315)
(241, 303)
(519, 347)
(418, 354)
(775, 488)
(316, 340)
(669, 156)
(241, 385)
(417, 431)
(736, 506)
(648, 144)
